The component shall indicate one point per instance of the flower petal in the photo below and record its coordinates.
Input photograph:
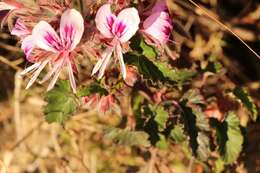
(71, 28)
(71, 77)
(108, 50)
(160, 6)
(104, 64)
(57, 66)
(20, 29)
(104, 20)
(158, 26)
(130, 18)
(46, 38)
(6, 6)
(37, 73)
(121, 60)
(54, 79)
(27, 46)
(30, 68)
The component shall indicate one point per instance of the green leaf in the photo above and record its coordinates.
(214, 67)
(147, 50)
(61, 103)
(144, 65)
(161, 117)
(193, 96)
(203, 150)
(157, 70)
(247, 101)
(162, 142)
(177, 133)
(178, 76)
(219, 166)
(196, 126)
(91, 89)
(229, 138)
(127, 137)
(234, 143)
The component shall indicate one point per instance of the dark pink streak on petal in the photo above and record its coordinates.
(110, 21)
(69, 32)
(119, 29)
(167, 30)
(52, 41)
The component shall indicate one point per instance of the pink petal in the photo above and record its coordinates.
(121, 60)
(6, 6)
(159, 7)
(27, 46)
(46, 38)
(71, 28)
(104, 20)
(20, 29)
(158, 26)
(130, 18)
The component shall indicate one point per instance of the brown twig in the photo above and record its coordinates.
(224, 26)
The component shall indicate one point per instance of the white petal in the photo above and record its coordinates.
(54, 79)
(71, 28)
(46, 38)
(71, 77)
(104, 65)
(100, 61)
(121, 60)
(27, 46)
(104, 20)
(130, 18)
(37, 73)
(57, 66)
(31, 68)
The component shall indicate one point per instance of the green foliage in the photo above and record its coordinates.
(91, 89)
(61, 103)
(177, 133)
(144, 58)
(145, 67)
(219, 166)
(162, 142)
(233, 146)
(247, 101)
(127, 137)
(214, 67)
(196, 126)
(161, 117)
(147, 51)
(229, 138)
(193, 96)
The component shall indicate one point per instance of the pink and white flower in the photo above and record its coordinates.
(159, 6)
(20, 30)
(56, 50)
(158, 25)
(119, 29)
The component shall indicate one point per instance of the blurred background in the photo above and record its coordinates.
(30, 145)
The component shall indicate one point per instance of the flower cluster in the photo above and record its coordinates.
(46, 44)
